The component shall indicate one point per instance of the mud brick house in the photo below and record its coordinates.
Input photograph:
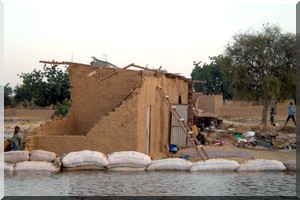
(115, 110)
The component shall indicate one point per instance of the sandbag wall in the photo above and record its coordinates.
(34, 160)
(130, 161)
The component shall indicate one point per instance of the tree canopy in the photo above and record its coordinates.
(44, 87)
(217, 75)
(264, 63)
(7, 92)
(256, 66)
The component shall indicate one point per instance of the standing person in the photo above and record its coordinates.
(15, 140)
(272, 113)
(290, 114)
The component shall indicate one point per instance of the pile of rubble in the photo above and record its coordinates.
(267, 140)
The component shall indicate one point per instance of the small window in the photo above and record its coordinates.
(179, 100)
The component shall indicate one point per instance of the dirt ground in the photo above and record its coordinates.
(239, 154)
(226, 151)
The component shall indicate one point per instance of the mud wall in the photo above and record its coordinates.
(92, 99)
(118, 130)
(115, 132)
(243, 110)
(209, 103)
(160, 114)
(215, 104)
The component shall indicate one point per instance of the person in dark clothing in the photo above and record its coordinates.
(201, 137)
(272, 113)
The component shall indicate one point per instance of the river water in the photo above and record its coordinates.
(154, 183)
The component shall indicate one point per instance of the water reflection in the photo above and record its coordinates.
(154, 183)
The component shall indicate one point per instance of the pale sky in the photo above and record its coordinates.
(167, 33)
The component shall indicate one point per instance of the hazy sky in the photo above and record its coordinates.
(167, 33)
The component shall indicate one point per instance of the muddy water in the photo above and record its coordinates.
(99, 183)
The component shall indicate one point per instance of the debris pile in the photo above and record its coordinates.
(259, 140)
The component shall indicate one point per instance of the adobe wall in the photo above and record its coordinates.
(209, 103)
(92, 99)
(160, 114)
(115, 132)
(241, 109)
(91, 114)
(215, 104)
(118, 130)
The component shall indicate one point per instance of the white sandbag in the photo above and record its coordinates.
(35, 166)
(128, 159)
(262, 165)
(127, 169)
(85, 157)
(85, 167)
(41, 155)
(215, 165)
(16, 156)
(170, 164)
(290, 165)
(8, 166)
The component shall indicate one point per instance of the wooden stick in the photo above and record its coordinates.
(109, 75)
(62, 63)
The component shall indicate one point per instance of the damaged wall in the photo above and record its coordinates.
(115, 132)
(160, 114)
(93, 125)
(92, 99)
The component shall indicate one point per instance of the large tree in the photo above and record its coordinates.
(217, 75)
(45, 87)
(264, 64)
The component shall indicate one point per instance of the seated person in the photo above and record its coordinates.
(16, 139)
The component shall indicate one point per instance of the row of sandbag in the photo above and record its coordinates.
(33, 160)
(134, 161)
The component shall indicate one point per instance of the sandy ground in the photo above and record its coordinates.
(227, 151)
(239, 154)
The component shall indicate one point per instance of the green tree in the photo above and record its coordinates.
(57, 84)
(217, 75)
(7, 93)
(264, 65)
(22, 94)
(44, 87)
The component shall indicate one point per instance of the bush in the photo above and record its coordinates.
(62, 109)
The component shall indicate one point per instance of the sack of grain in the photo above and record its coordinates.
(41, 155)
(16, 156)
(85, 157)
(215, 165)
(127, 169)
(170, 164)
(8, 166)
(35, 166)
(290, 165)
(262, 165)
(128, 159)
